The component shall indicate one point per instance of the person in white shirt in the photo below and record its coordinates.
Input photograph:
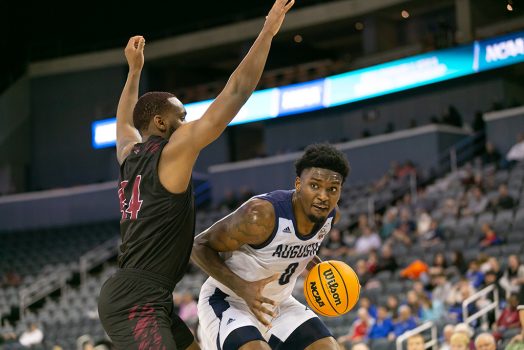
(516, 152)
(32, 336)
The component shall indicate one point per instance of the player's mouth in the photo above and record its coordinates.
(321, 208)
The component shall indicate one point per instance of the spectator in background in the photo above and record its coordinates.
(490, 238)
(413, 300)
(32, 337)
(359, 329)
(390, 223)
(383, 325)
(372, 262)
(392, 304)
(474, 275)
(516, 152)
(365, 302)
(447, 332)
(416, 342)
(387, 261)
(452, 117)
(504, 201)
(431, 310)
(432, 236)
(485, 341)
(439, 265)
(508, 319)
(477, 202)
(408, 168)
(335, 245)
(362, 272)
(491, 155)
(442, 288)
(459, 341)
(12, 279)
(462, 290)
(458, 262)
(450, 208)
(405, 321)
(368, 241)
(513, 277)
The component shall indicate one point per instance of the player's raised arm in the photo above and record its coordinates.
(252, 223)
(239, 87)
(126, 133)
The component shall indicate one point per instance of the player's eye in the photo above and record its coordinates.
(333, 189)
(314, 186)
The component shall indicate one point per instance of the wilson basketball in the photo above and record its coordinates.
(331, 288)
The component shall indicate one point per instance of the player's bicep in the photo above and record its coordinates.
(252, 223)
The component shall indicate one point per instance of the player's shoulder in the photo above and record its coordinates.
(257, 208)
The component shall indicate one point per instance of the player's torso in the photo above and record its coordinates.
(157, 227)
(285, 253)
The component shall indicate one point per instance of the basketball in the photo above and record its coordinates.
(331, 288)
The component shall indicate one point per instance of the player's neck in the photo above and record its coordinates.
(146, 136)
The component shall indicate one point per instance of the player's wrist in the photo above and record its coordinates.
(134, 72)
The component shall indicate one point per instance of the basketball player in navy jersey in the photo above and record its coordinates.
(156, 151)
(254, 256)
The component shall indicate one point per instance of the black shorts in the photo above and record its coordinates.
(136, 311)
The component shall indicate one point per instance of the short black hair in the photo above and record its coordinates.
(325, 156)
(149, 105)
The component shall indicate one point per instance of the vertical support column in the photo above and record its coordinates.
(464, 23)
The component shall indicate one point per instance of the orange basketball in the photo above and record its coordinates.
(331, 288)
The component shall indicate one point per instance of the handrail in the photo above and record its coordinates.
(487, 308)
(433, 343)
(97, 255)
(41, 288)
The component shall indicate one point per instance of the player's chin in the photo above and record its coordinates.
(317, 219)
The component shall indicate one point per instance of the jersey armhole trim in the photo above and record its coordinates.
(162, 188)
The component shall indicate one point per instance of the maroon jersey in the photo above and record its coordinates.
(157, 227)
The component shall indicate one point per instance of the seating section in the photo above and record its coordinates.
(73, 313)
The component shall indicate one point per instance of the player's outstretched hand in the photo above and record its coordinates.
(277, 14)
(252, 294)
(134, 52)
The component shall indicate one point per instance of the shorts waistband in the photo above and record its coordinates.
(153, 277)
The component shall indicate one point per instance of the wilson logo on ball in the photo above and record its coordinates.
(331, 288)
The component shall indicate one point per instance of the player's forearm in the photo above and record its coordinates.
(128, 98)
(212, 264)
(247, 75)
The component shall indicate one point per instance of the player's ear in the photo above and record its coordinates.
(297, 184)
(159, 123)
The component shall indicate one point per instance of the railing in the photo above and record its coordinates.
(97, 256)
(432, 343)
(461, 152)
(42, 287)
(494, 305)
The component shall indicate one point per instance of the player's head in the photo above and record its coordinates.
(416, 342)
(158, 113)
(321, 171)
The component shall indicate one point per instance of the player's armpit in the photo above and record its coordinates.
(125, 142)
(252, 223)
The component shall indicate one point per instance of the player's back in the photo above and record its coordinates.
(156, 227)
(285, 252)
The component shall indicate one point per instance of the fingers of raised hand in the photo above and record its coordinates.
(289, 5)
